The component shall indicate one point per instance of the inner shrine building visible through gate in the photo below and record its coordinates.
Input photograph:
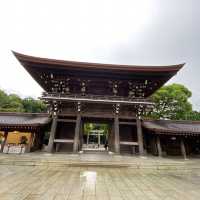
(78, 93)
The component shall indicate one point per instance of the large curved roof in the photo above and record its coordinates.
(64, 63)
(43, 68)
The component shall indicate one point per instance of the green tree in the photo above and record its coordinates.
(13, 103)
(171, 102)
(194, 116)
(10, 103)
(88, 127)
(33, 106)
(3, 100)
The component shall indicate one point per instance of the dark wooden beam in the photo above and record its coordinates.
(91, 114)
(128, 123)
(66, 120)
(52, 135)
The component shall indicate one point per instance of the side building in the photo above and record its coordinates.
(22, 132)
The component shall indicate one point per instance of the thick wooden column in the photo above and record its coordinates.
(87, 139)
(140, 137)
(159, 146)
(52, 135)
(99, 139)
(110, 138)
(5, 139)
(77, 134)
(116, 132)
(81, 134)
(183, 151)
(30, 143)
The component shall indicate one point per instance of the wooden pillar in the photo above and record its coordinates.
(159, 146)
(87, 139)
(99, 139)
(5, 139)
(77, 133)
(183, 151)
(81, 134)
(30, 143)
(34, 142)
(110, 138)
(57, 147)
(140, 136)
(52, 135)
(116, 132)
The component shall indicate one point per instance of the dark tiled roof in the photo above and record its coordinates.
(173, 127)
(24, 119)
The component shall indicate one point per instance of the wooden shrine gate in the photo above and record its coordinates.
(125, 135)
(78, 90)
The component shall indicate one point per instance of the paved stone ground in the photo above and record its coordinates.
(102, 183)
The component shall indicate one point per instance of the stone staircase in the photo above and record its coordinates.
(98, 160)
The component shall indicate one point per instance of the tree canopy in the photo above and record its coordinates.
(34, 106)
(172, 102)
(13, 103)
(88, 127)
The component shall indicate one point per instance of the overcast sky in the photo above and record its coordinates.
(143, 32)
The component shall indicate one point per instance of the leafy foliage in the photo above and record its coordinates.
(172, 102)
(13, 103)
(194, 115)
(88, 127)
(32, 105)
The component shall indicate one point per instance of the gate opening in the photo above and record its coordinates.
(95, 136)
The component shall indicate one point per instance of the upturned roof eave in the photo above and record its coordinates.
(86, 65)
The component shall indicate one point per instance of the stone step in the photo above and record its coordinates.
(95, 152)
(97, 160)
(78, 163)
